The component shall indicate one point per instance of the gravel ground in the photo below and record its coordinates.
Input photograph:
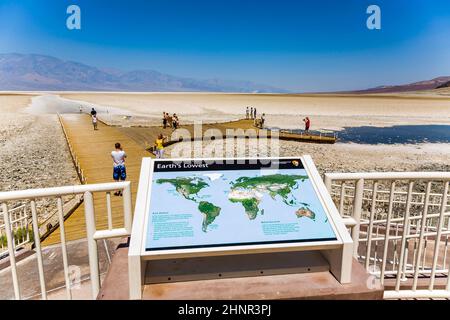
(34, 154)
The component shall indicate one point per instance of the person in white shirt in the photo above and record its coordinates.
(94, 122)
(263, 119)
(119, 170)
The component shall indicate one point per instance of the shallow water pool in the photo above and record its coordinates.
(405, 134)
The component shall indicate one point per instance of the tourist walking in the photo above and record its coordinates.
(164, 120)
(81, 109)
(94, 122)
(247, 115)
(93, 112)
(119, 169)
(175, 121)
(254, 113)
(159, 147)
(251, 112)
(307, 124)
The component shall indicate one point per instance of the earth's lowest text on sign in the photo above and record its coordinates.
(199, 204)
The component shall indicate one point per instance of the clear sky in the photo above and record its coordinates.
(310, 45)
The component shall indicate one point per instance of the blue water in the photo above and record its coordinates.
(406, 134)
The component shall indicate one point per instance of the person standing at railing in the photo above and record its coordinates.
(307, 124)
(119, 170)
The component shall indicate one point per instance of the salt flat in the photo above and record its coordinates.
(284, 111)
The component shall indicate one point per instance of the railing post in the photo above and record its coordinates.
(64, 247)
(127, 208)
(37, 243)
(421, 236)
(438, 236)
(92, 243)
(328, 183)
(370, 227)
(404, 247)
(387, 231)
(11, 251)
(357, 207)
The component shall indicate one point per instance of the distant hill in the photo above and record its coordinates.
(38, 72)
(444, 85)
(435, 83)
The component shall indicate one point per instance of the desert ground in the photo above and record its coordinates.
(33, 152)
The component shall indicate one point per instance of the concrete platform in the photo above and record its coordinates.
(318, 285)
(78, 260)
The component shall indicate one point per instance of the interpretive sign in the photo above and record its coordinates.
(208, 218)
(202, 204)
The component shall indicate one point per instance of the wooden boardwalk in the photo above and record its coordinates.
(93, 149)
(145, 136)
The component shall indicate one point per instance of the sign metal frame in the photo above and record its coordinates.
(337, 252)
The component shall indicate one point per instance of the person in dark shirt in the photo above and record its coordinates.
(93, 112)
(164, 120)
(175, 121)
(307, 123)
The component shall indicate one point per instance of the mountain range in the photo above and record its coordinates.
(436, 83)
(30, 72)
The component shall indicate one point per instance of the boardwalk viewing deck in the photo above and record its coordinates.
(93, 149)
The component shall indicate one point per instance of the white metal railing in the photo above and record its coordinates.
(92, 233)
(321, 133)
(19, 219)
(400, 224)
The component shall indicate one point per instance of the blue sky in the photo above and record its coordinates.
(299, 45)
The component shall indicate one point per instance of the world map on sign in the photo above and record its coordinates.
(194, 209)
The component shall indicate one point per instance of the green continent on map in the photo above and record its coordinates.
(187, 187)
(249, 190)
(210, 211)
(250, 205)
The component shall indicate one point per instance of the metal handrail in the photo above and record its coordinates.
(387, 234)
(92, 233)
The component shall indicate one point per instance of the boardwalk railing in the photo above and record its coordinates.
(319, 133)
(76, 163)
(92, 233)
(400, 224)
(19, 219)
